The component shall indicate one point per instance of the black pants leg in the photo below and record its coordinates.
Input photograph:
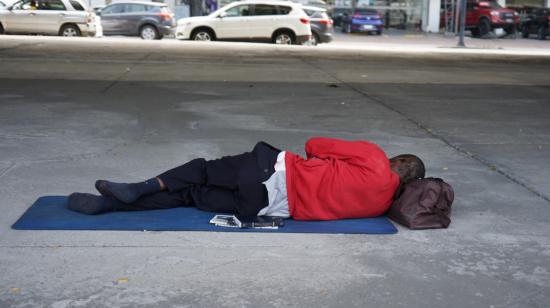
(231, 184)
(205, 198)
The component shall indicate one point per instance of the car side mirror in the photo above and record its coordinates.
(222, 15)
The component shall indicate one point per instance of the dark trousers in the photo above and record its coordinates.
(231, 184)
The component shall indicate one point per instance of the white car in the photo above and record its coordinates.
(280, 22)
(51, 17)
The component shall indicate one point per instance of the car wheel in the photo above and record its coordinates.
(475, 32)
(284, 38)
(315, 39)
(542, 33)
(525, 31)
(149, 32)
(69, 31)
(203, 35)
(484, 27)
(379, 32)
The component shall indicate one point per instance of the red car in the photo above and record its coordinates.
(482, 17)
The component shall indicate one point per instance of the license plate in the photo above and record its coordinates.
(368, 27)
(509, 20)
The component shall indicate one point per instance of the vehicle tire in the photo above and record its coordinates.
(315, 39)
(205, 35)
(512, 32)
(378, 32)
(1, 29)
(475, 32)
(284, 38)
(149, 32)
(484, 27)
(69, 31)
(542, 33)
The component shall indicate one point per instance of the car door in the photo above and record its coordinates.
(472, 13)
(131, 17)
(233, 23)
(50, 16)
(20, 18)
(111, 19)
(264, 21)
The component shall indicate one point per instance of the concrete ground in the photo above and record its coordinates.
(72, 111)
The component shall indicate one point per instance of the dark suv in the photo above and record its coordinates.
(150, 20)
(536, 22)
(321, 25)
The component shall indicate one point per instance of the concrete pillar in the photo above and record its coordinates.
(430, 15)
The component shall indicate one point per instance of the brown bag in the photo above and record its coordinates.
(423, 204)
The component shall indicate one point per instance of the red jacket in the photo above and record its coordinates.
(339, 179)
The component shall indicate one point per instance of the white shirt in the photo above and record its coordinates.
(276, 191)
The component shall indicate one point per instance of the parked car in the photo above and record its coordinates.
(279, 22)
(316, 3)
(537, 22)
(363, 20)
(321, 25)
(482, 17)
(149, 20)
(50, 17)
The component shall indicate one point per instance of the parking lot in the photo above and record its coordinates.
(74, 110)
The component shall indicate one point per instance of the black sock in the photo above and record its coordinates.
(128, 192)
(92, 204)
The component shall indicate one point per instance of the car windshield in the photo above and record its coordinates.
(311, 12)
(495, 5)
(490, 4)
(366, 12)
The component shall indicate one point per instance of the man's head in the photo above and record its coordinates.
(408, 167)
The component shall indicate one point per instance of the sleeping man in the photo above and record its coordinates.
(338, 179)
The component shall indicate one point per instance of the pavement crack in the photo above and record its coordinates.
(125, 73)
(5, 171)
(430, 132)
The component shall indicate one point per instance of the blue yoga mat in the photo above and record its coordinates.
(51, 213)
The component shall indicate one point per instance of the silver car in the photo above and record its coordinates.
(50, 17)
(150, 20)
